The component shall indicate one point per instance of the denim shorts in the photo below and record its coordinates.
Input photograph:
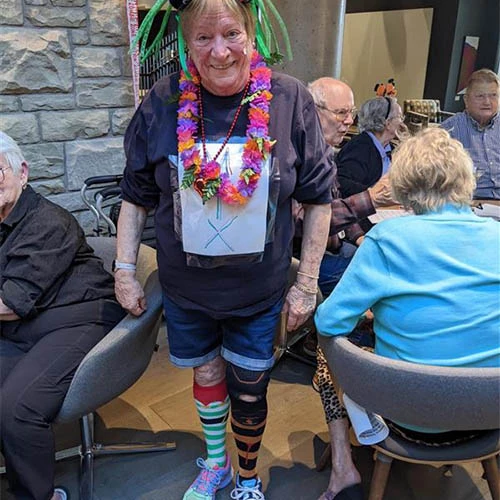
(195, 338)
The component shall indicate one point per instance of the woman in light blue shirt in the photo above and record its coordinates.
(431, 279)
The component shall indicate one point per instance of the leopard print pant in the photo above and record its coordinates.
(331, 404)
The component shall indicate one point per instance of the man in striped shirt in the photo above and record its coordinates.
(478, 129)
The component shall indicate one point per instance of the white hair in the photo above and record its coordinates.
(374, 113)
(11, 152)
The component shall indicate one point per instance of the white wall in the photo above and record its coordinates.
(383, 45)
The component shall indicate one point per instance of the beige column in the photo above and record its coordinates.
(316, 29)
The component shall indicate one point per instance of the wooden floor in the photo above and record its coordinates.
(160, 407)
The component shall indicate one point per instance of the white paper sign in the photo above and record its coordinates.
(217, 228)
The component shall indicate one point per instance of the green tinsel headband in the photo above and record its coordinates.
(265, 38)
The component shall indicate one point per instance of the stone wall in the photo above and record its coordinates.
(66, 91)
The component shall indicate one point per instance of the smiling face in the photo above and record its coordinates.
(221, 50)
(11, 187)
(481, 101)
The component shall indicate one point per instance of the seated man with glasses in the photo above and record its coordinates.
(478, 129)
(334, 102)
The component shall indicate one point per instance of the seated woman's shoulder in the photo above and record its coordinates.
(359, 142)
(396, 226)
(52, 213)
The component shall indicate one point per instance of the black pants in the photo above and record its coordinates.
(38, 359)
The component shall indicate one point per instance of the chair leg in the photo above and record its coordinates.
(380, 476)
(90, 449)
(123, 449)
(87, 458)
(492, 476)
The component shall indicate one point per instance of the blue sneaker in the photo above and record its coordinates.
(247, 489)
(209, 481)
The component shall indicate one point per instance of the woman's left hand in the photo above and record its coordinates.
(300, 301)
(299, 306)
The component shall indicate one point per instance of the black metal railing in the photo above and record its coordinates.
(162, 63)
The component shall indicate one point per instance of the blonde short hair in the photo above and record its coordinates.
(430, 170)
(483, 75)
(197, 8)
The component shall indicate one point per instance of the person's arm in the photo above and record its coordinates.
(128, 290)
(301, 298)
(7, 314)
(380, 193)
(38, 259)
(364, 283)
(355, 234)
(348, 211)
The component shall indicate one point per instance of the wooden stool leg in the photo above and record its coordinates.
(492, 476)
(380, 476)
(325, 458)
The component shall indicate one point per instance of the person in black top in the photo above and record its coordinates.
(56, 303)
(219, 151)
(367, 156)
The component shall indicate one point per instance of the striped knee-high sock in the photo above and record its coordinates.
(248, 421)
(212, 404)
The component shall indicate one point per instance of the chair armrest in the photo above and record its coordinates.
(415, 117)
(443, 115)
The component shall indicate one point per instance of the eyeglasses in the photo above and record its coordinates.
(340, 114)
(2, 172)
(485, 97)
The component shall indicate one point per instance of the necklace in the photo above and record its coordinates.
(231, 128)
(204, 174)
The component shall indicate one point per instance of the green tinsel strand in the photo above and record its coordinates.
(182, 48)
(260, 17)
(271, 40)
(283, 29)
(159, 37)
(145, 27)
(262, 47)
(268, 33)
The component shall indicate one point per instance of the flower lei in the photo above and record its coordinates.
(206, 176)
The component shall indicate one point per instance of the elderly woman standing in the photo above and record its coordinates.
(367, 156)
(221, 166)
(434, 296)
(56, 303)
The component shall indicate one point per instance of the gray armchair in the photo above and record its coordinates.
(113, 365)
(424, 396)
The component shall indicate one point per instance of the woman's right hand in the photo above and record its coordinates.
(129, 292)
